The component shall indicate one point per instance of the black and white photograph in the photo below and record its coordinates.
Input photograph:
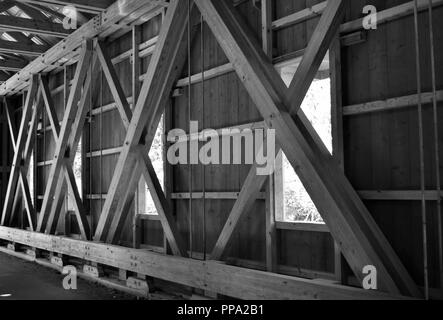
(221, 158)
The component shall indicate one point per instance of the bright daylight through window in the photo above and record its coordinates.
(298, 205)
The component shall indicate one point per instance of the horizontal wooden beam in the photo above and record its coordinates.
(209, 74)
(292, 59)
(299, 16)
(207, 275)
(34, 26)
(195, 196)
(104, 152)
(211, 196)
(391, 104)
(21, 48)
(302, 226)
(391, 14)
(399, 195)
(384, 16)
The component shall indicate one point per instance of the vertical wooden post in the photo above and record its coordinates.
(271, 232)
(266, 20)
(34, 168)
(66, 215)
(169, 170)
(337, 133)
(4, 154)
(139, 203)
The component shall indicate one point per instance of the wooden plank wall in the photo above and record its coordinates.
(381, 149)
(226, 104)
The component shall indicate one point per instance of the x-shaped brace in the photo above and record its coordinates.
(23, 171)
(351, 225)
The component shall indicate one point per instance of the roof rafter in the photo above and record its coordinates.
(82, 5)
(33, 13)
(56, 12)
(21, 48)
(34, 26)
(20, 37)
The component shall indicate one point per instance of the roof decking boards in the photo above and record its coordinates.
(99, 25)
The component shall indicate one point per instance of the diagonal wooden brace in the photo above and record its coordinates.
(69, 126)
(20, 148)
(351, 225)
(67, 171)
(23, 188)
(144, 167)
(165, 67)
(67, 179)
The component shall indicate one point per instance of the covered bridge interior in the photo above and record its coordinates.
(91, 90)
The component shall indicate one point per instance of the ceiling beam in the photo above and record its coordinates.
(33, 26)
(15, 57)
(55, 12)
(82, 5)
(21, 48)
(31, 12)
(20, 37)
(11, 65)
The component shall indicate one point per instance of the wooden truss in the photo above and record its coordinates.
(359, 238)
(67, 137)
(164, 69)
(23, 151)
(340, 206)
(361, 241)
(21, 163)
